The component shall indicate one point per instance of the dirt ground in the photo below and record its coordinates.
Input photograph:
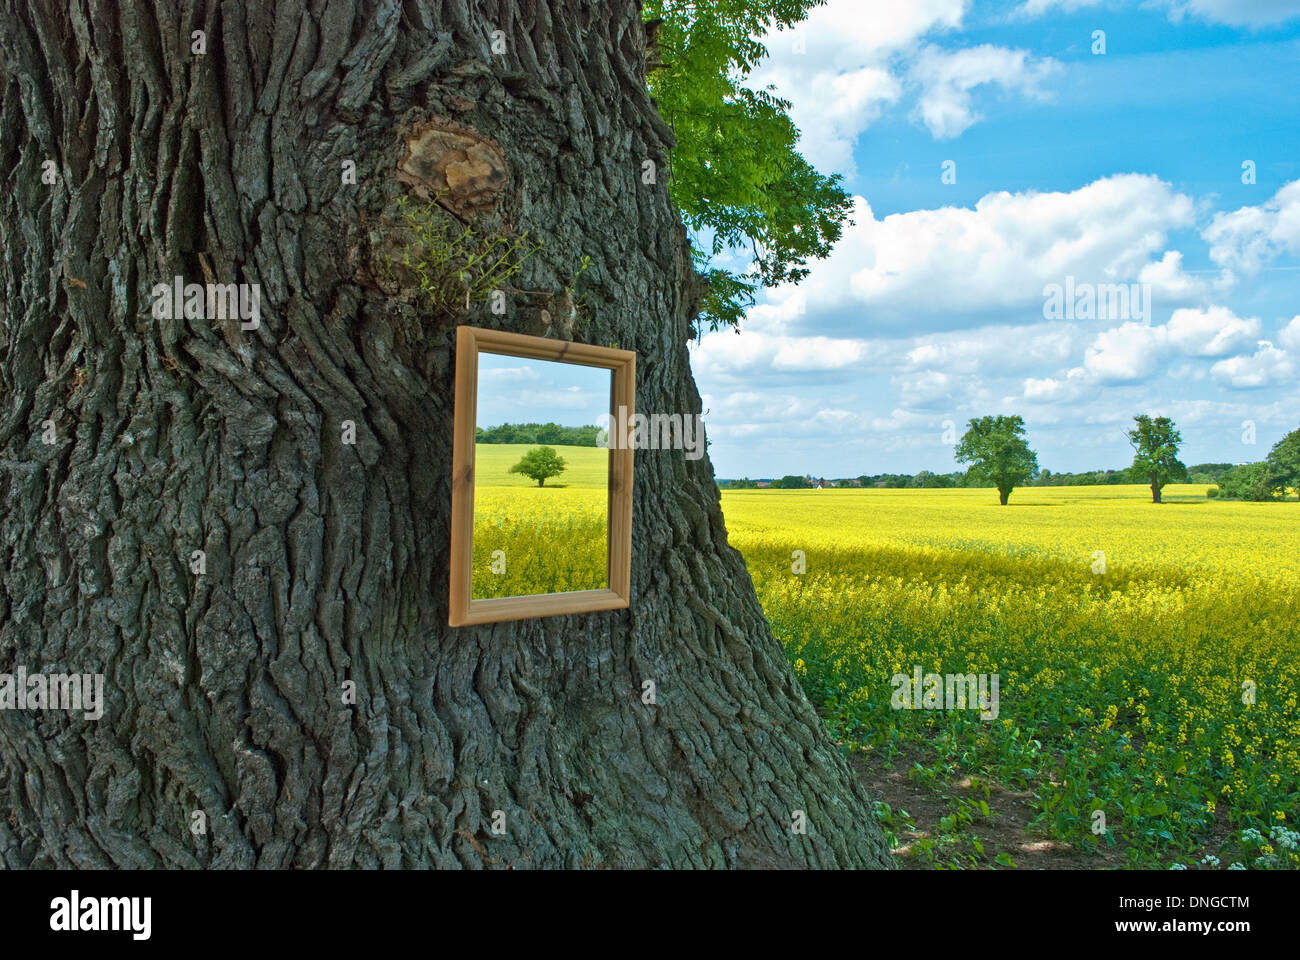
(1004, 831)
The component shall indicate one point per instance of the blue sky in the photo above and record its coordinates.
(1122, 167)
(517, 390)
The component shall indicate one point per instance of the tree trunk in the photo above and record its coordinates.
(230, 736)
(1004, 496)
(1155, 490)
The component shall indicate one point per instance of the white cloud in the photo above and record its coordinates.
(1213, 332)
(1049, 390)
(816, 353)
(947, 79)
(563, 398)
(991, 350)
(844, 66)
(1247, 238)
(1289, 336)
(1268, 366)
(1133, 352)
(1236, 13)
(1036, 8)
(924, 388)
(1125, 353)
(900, 419)
(927, 268)
(751, 352)
(1169, 282)
(508, 374)
(837, 68)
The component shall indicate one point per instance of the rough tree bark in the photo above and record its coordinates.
(327, 562)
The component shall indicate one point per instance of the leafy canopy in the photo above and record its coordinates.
(998, 453)
(546, 433)
(791, 482)
(540, 464)
(736, 172)
(1155, 444)
(1250, 481)
(1284, 461)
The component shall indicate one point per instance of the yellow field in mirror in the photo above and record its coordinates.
(530, 539)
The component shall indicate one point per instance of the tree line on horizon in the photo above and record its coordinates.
(999, 454)
(547, 433)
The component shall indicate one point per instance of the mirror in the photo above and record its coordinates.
(541, 483)
(541, 502)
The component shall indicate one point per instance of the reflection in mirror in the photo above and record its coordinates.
(541, 484)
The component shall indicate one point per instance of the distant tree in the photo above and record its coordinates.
(540, 464)
(1207, 472)
(1284, 462)
(742, 484)
(927, 480)
(998, 453)
(1250, 481)
(548, 433)
(791, 482)
(1155, 445)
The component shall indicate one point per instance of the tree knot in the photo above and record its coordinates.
(459, 166)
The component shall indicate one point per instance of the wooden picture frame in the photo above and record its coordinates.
(463, 609)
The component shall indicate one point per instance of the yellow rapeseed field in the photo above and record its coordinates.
(1148, 655)
(551, 539)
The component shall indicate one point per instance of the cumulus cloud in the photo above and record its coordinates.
(1133, 352)
(947, 78)
(1289, 336)
(816, 353)
(935, 269)
(995, 350)
(1247, 238)
(752, 352)
(849, 62)
(837, 68)
(1052, 390)
(1125, 353)
(1267, 366)
(1169, 282)
(1213, 332)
